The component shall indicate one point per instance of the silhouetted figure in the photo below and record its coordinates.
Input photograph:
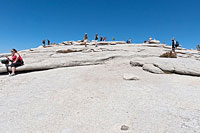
(101, 39)
(85, 39)
(43, 43)
(96, 39)
(198, 47)
(129, 41)
(48, 42)
(173, 44)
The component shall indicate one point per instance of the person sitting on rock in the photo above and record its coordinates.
(130, 40)
(85, 39)
(16, 61)
(150, 39)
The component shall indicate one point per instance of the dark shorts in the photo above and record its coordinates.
(17, 64)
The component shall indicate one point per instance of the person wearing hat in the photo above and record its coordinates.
(173, 44)
(85, 39)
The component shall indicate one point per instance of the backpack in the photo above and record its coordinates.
(5, 61)
(177, 44)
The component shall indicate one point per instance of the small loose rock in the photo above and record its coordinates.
(128, 76)
(124, 127)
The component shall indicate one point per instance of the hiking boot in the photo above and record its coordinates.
(12, 74)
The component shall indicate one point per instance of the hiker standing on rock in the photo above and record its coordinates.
(48, 42)
(16, 61)
(105, 38)
(129, 41)
(85, 39)
(96, 39)
(43, 42)
(173, 44)
(198, 47)
(101, 39)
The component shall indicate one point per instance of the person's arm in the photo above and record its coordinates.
(9, 58)
(17, 57)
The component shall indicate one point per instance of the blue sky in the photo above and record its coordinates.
(25, 23)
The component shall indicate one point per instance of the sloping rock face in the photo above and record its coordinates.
(92, 43)
(141, 55)
(63, 56)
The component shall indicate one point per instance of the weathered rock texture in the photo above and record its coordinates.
(89, 95)
(143, 55)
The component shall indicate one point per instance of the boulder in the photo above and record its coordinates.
(129, 76)
(154, 42)
(68, 51)
(183, 66)
(153, 69)
(137, 63)
(124, 127)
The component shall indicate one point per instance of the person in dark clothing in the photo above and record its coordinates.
(85, 39)
(48, 42)
(198, 47)
(96, 39)
(43, 42)
(101, 39)
(173, 44)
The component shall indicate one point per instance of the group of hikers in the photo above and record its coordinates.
(96, 38)
(85, 39)
(44, 43)
(17, 60)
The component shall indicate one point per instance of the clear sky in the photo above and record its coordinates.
(25, 23)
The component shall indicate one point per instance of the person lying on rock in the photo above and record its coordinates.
(16, 61)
